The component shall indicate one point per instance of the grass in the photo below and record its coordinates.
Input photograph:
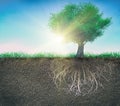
(104, 55)
(37, 55)
(52, 55)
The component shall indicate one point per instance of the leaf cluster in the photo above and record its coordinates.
(79, 23)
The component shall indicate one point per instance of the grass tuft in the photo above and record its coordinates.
(104, 55)
(53, 55)
(14, 55)
(37, 55)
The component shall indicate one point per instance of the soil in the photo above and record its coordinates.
(29, 82)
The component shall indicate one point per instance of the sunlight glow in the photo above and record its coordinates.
(56, 44)
(58, 39)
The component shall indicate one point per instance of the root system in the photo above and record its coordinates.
(81, 77)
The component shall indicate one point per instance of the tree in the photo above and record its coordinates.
(79, 24)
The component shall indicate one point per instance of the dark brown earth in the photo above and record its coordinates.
(29, 82)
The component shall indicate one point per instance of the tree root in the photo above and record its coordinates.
(81, 79)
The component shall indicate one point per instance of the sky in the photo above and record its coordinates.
(24, 27)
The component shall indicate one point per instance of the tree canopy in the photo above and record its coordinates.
(79, 23)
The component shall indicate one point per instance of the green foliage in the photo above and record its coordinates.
(51, 55)
(103, 55)
(37, 55)
(14, 55)
(79, 23)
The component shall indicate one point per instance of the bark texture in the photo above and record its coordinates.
(80, 51)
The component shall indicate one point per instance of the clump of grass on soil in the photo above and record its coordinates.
(81, 77)
(53, 55)
(36, 55)
(104, 55)
(14, 55)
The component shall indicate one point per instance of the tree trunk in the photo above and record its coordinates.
(80, 51)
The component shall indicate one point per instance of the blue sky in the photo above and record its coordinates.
(24, 26)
